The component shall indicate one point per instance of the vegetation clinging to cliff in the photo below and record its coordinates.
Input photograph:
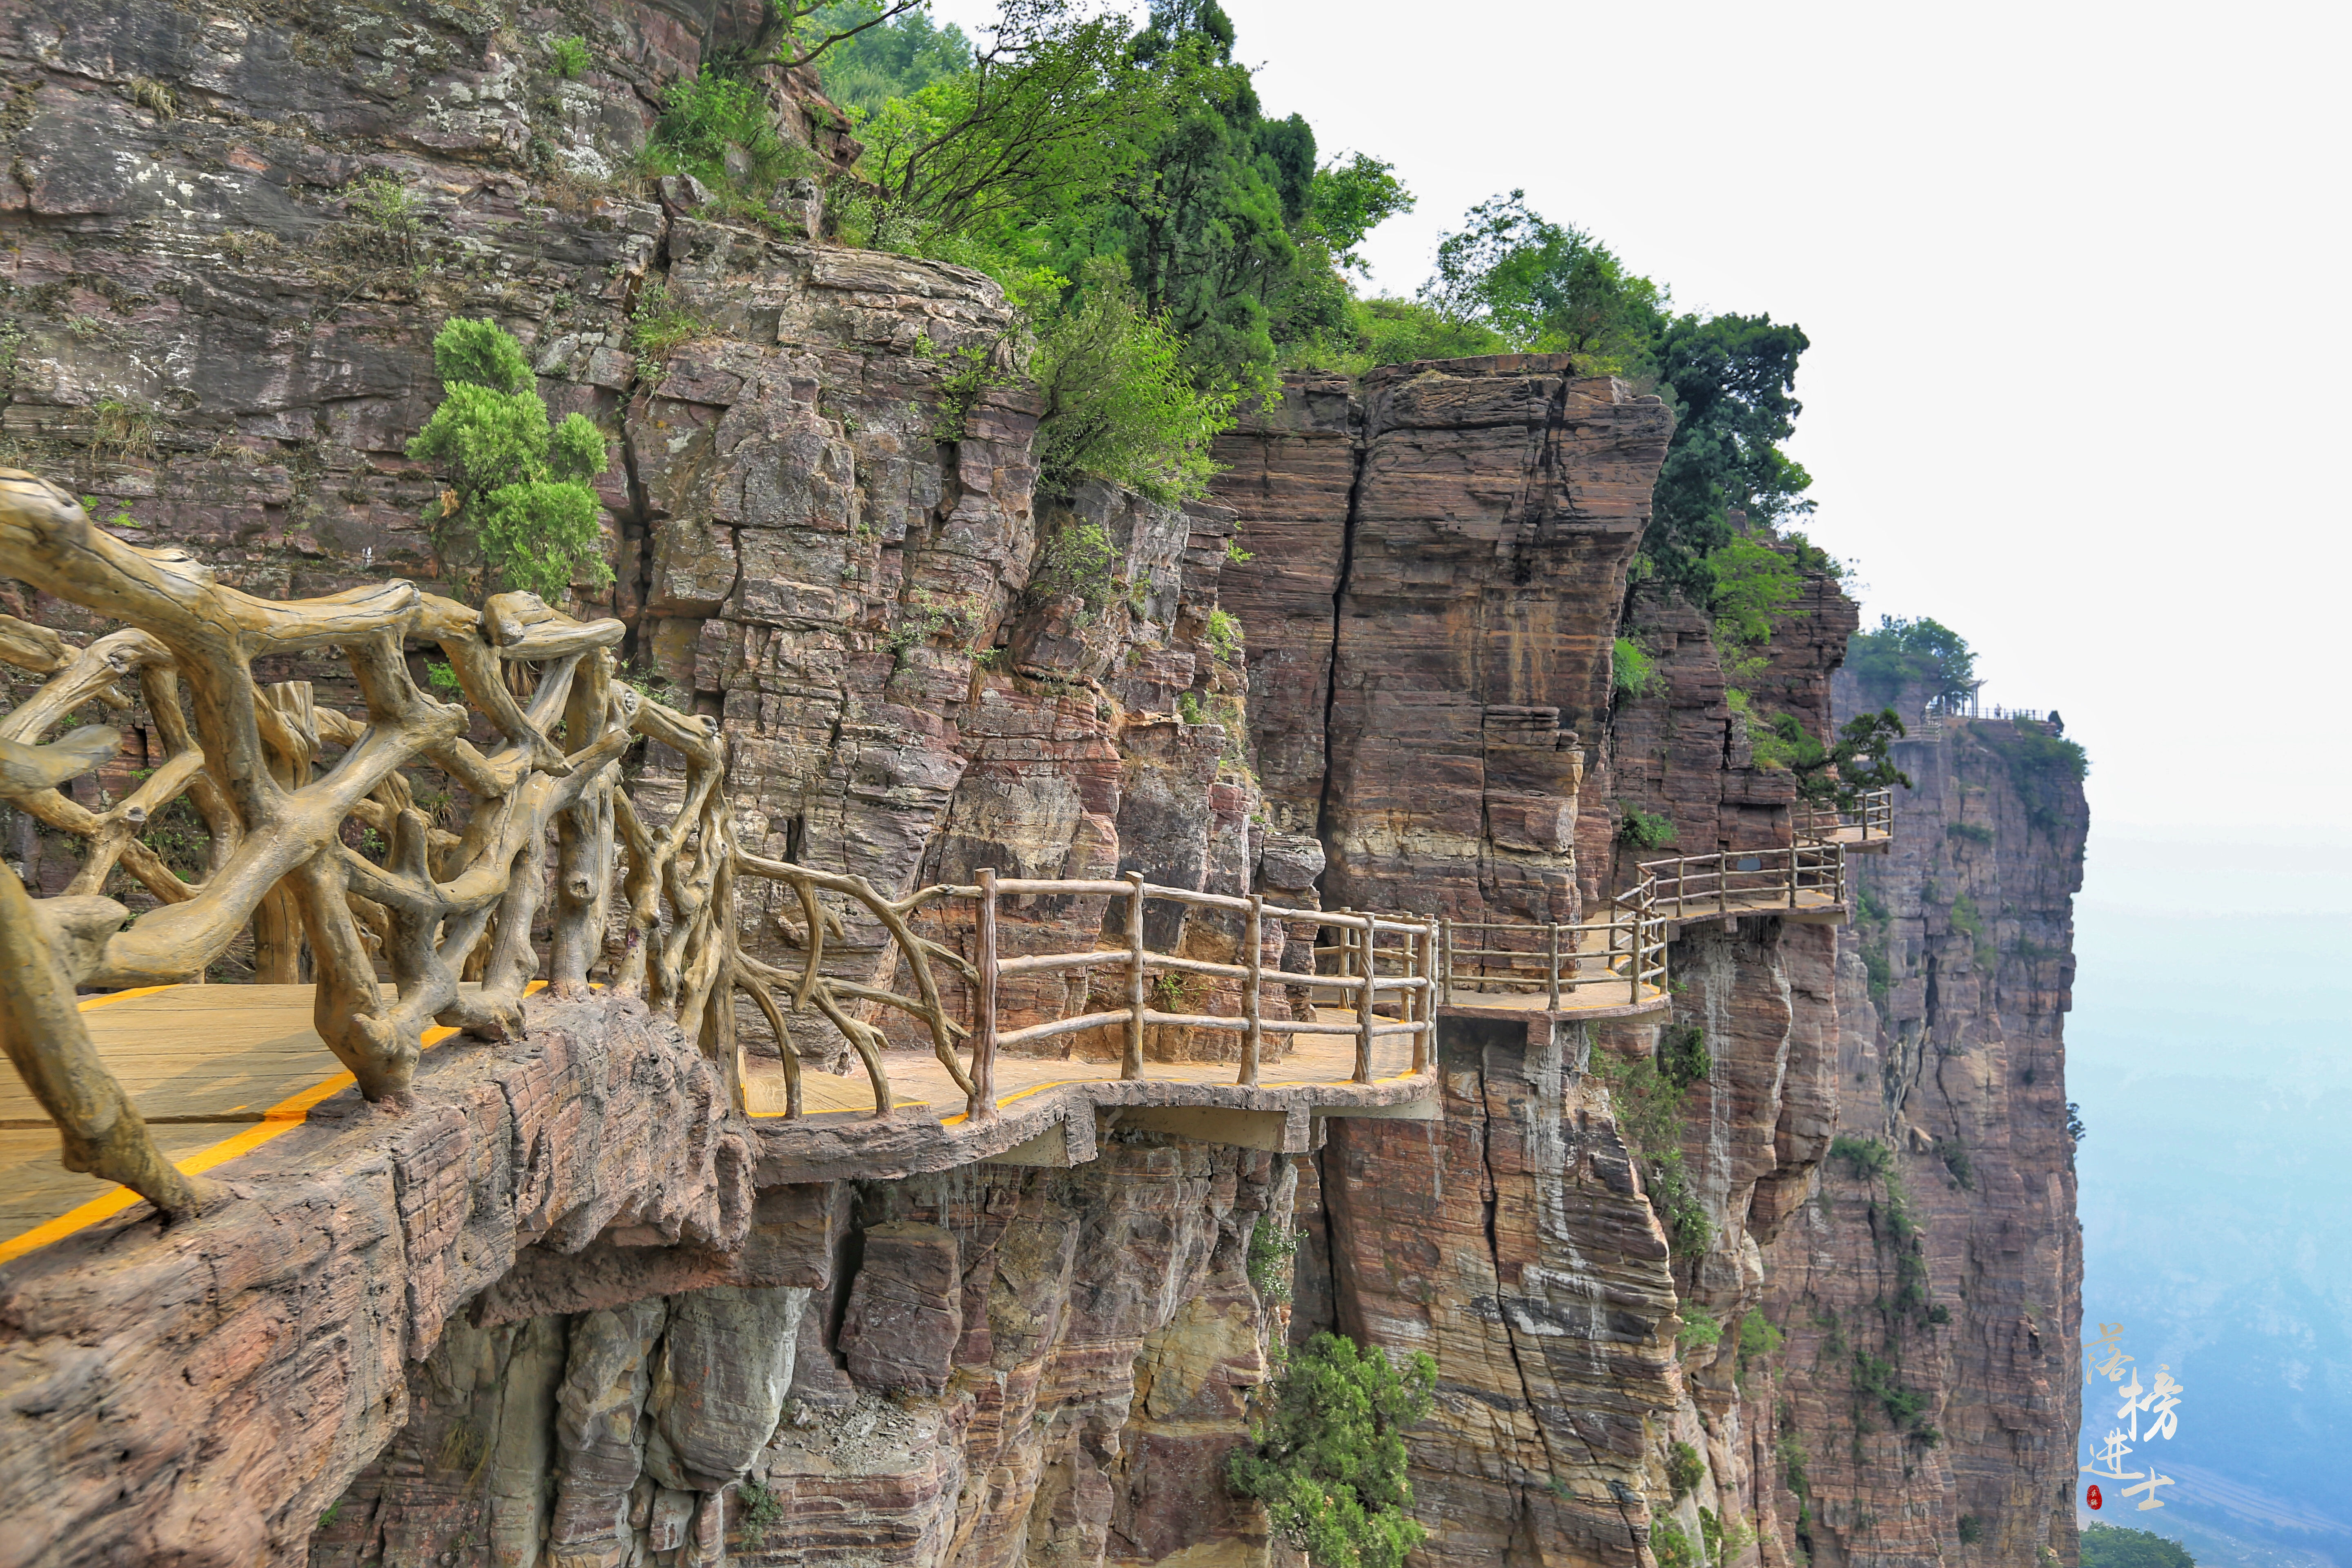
(1118, 404)
(1160, 235)
(517, 492)
(1647, 1102)
(1328, 1460)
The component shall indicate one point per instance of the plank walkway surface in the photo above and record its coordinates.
(218, 1070)
(1811, 908)
(917, 1079)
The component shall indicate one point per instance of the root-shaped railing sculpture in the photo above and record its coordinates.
(833, 997)
(283, 784)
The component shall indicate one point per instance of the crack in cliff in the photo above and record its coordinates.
(1490, 1202)
(1360, 452)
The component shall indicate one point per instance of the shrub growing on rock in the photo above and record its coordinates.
(1329, 1461)
(517, 492)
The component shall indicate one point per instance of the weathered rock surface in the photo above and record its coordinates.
(204, 1394)
(1954, 985)
(1439, 553)
(1513, 1243)
(535, 1322)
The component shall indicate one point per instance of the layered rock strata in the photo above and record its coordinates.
(995, 1365)
(203, 1393)
(1930, 1291)
(1438, 555)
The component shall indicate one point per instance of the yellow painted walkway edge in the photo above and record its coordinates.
(277, 1120)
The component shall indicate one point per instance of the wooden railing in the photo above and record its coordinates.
(411, 861)
(1580, 963)
(1872, 819)
(1747, 882)
(1382, 963)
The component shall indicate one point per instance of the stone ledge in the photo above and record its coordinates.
(912, 1142)
(199, 1392)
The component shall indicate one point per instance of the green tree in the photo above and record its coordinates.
(1903, 656)
(1544, 287)
(1054, 111)
(1328, 1460)
(1731, 380)
(1752, 585)
(1538, 285)
(1119, 404)
(517, 492)
(895, 56)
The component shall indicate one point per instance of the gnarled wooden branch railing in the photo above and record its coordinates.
(315, 835)
(288, 789)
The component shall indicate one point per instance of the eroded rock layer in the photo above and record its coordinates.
(1930, 1291)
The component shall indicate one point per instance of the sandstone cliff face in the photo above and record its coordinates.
(1929, 1393)
(1442, 554)
(998, 1366)
(1439, 555)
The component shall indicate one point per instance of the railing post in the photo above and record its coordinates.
(1364, 996)
(983, 1011)
(1792, 877)
(1253, 1031)
(1551, 969)
(1722, 884)
(1131, 1063)
(1424, 1040)
(1444, 977)
(1633, 947)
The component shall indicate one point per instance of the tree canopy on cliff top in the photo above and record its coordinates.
(1524, 282)
(1923, 655)
(1067, 137)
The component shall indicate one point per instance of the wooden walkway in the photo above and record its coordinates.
(918, 1080)
(1809, 908)
(218, 1071)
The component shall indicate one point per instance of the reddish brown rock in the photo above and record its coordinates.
(906, 1309)
(203, 1394)
(1439, 553)
(1954, 987)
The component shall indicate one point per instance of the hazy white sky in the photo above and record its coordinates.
(2074, 277)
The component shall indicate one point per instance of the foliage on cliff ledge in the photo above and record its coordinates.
(1922, 657)
(1509, 279)
(518, 493)
(1328, 1462)
(1126, 187)
(1647, 1101)
(1118, 404)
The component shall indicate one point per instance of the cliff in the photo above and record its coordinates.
(1930, 1290)
(231, 237)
